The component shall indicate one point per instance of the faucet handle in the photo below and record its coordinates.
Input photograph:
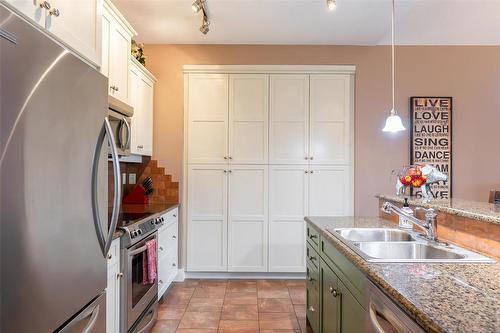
(430, 213)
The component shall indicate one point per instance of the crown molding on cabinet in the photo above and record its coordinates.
(143, 69)
(123, 21)
(271, 69)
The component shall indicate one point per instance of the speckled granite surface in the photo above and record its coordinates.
(461, 298)
(482, 211)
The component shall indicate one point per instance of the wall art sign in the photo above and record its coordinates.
(431, 134)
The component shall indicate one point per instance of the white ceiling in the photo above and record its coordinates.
(354, 22)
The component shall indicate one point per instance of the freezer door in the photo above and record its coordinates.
(92, 319)
(52, 108)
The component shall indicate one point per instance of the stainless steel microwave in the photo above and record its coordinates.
(120, 118)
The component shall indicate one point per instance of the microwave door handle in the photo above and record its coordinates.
(105, 243)
(129, 133)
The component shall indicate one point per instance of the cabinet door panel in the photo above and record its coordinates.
(287, 208)
(352, 313)
(247, 219)
(207, 218)
(119, 55)
(106, 20)
(330, 301)
(330, 191)
(145, 133)
(289, 113)
(248, 114)
(208, 118)
(330, 122)
(78, 25)
(134, 97)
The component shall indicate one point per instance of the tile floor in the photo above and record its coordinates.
(227, 306)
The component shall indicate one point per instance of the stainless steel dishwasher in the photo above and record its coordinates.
(385, 316)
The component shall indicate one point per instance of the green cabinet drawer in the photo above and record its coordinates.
(312, 256)
(313, 236)
(312, 278)
(312, 310)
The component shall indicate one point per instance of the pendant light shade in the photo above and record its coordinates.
(393, 123)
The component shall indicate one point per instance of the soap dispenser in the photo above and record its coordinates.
(404, 223)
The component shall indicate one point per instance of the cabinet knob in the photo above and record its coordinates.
(230, 157)
(110, 256)
(175, 215)
(160, 282)
(119, 275)
(174, 236)
(116, 88)
(310, 278)
(173, 264)
(312, 258)
(161, 248)
(311, 157)
(54, 12)
(311, 308)
(225, 171)
(225, 157)
(311, 171)
(330, 289)
(140, 146)
(306, 171)
(230, 171)
(313, 236)
(306, 158)
(335, 293)
(45, 5)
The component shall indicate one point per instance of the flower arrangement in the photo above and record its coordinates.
(137, 50)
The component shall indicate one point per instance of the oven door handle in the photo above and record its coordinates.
(137, 251)
(150, 324)
(105, 242)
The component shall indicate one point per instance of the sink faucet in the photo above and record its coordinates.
(429, 225)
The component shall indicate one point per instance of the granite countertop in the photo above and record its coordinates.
(482, 211)
(440, 297)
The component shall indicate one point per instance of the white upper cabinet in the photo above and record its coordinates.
(289, 117)
(330, 112)
(141, 98)
(247, 218)
(248, 118)
(33, 10)
(116, 39)
(207, 103)
(76, 23)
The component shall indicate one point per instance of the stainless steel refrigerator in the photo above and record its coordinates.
(53, 197)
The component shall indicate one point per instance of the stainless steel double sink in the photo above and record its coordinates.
(398, 246)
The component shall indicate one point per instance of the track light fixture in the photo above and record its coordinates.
(205, 25)
(331, 4)
(197, 5)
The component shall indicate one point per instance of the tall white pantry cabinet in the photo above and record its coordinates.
(265, 147)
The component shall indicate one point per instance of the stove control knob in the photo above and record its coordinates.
(132, 234)
(162, 219)
(139, 232)
(153, 222)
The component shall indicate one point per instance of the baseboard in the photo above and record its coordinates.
(242, 275)
(181, 276)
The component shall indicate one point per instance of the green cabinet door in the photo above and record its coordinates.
(330, 301)
(312, 310)
(352, 313)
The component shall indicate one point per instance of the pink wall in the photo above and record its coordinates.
(471, 75)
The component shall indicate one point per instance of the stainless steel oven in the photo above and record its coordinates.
(120, 119)
(139, 297)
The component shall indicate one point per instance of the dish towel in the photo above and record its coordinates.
(149, 263)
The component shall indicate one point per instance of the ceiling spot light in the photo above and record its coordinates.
(331, 4)
(197, 5)
(393, 123)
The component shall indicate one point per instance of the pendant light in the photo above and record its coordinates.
(393, 123)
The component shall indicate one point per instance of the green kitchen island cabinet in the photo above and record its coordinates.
(335, 289)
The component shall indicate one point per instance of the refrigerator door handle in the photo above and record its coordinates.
(92, 320)
(105, 243)
(129, 133)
